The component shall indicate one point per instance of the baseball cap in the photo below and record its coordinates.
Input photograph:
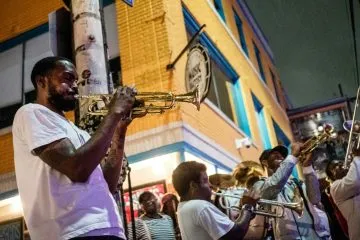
(280, 148)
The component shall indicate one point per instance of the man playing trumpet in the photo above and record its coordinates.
(198, 218)
(64, 192)
(313, 224)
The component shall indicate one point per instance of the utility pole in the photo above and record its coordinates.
(89, 50)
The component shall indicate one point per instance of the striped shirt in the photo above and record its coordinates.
(142, 231)
(160, 228)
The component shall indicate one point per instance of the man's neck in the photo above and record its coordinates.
(45, 103)
(152, 215)
(189, 198)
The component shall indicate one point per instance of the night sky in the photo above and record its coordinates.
(312, 44)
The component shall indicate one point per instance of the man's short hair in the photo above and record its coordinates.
(184, 174)
(44, 66)
(145, 196)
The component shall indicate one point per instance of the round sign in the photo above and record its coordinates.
(198, 71)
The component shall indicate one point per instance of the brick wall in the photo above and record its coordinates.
(18, 16)
(6, 154)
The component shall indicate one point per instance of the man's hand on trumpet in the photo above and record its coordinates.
(251, 197)
(122, 103)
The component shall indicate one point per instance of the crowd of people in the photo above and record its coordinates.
(67, 194)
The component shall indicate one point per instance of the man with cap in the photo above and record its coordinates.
(279, 186)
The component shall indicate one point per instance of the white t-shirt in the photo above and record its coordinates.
(201, 220)
(54, 206)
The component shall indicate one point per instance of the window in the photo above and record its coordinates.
(19, 55)
(282, 139)
(225, 86)
(260, 117)
(111, 30)
(276, 87)
(239, 26)
(218, 93)
(219, 8)
(258, 59)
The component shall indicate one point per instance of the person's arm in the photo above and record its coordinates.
(348, 186)
(78, 164)
(311, 181)
(273, 185)
(248, 203)
(113, 165)
(239, 230)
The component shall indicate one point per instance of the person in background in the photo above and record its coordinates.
(169, 207)
(345, 190)
(338, 224)
(161, 226)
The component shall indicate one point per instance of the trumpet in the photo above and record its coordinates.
(298, 207)
(145, 102)
(314, 142)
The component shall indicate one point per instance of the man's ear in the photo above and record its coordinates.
(193, 186)
(40, 81)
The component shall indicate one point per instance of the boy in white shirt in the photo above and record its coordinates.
(198, 218)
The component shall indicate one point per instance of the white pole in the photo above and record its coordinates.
(89, 49)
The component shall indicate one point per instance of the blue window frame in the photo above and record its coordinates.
(222, 64)
(219, 8)
(282, 139)
(273, 79)
(258, 59)
(260, 117)
(239, 26)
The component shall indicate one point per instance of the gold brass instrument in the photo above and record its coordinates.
(353, 127)
(310, 145)
(298, 207)
(145, 102)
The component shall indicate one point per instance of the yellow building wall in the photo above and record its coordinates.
(249, 80)
(151, 35)
(19, 16)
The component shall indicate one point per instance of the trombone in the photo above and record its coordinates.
(353, 127)
(145, 102)
(298, 207)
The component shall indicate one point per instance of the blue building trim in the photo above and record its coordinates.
(9, 194)
(240, 29)
(192, 27)
(176, 147)
(255, 27)
(261, 122)
(219, 8)
(240, 108)
(23, 37)
(280, 135)
(259, 61)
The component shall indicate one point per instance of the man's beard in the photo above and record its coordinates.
(59, 101)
